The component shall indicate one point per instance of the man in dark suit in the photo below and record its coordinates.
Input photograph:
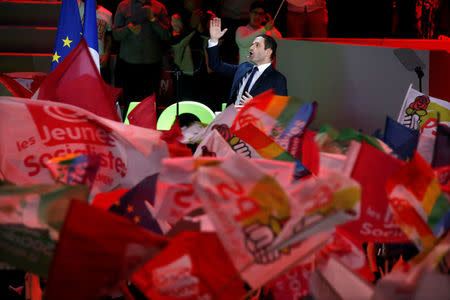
(249, 78)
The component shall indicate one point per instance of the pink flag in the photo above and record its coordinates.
(144, 114)
(253, 217)
(77, 81)
(47, 129)
(372, 169)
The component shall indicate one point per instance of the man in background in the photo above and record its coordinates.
(142, 27)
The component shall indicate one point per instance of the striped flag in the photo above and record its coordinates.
(415, 197)
(280, 117)
(268, 148)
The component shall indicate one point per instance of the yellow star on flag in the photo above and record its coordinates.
(56, 57)
(136, 219)
(67, 42)
(130, 208)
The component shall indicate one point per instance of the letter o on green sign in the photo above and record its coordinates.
(201, 111)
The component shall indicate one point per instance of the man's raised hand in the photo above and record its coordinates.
(215, 30)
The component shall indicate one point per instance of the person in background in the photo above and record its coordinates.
(233, 13)
(307, 18)
(246, 34)
(104, 30)
(142, 27)
(188, 46)
(249, 78)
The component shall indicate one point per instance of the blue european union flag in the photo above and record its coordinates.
(69, 31)
(90, 32)
(132, 205)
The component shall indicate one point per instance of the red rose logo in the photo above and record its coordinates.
(224, 131)
(420, 103)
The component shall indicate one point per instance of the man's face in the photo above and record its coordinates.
(256, 17)
(258, 55)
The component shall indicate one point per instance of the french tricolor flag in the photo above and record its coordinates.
(90, 30)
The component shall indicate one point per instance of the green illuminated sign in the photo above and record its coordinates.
(167, 117)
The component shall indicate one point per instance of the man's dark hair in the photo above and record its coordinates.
(269, 43)
(257, 4)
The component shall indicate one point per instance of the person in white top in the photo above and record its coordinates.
(245, 35)
(307, 18)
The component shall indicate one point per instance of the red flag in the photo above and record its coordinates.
(179, 151)
(372, 169)
(96, 251)
(172, 138)
(194, 266)
(105, 200)
(13, 88)
(309, 152)
(144, 114)
(173, 135)
(77, 81)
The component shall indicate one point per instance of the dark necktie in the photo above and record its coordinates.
(249, 81)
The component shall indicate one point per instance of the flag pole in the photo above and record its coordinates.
(278, 11)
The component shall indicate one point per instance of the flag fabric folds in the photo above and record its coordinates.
(98, 250)
(30, 219)
(420, 112)
(144, 114)
(403, 140)
(222, 124)
(415, 197)
(267, 148)
(376, 222)
(194, 266)
(47, 129)
(10, 87)
(136, 203)
(252, 215)
(77, 81)
(68, 33)
(279, 117)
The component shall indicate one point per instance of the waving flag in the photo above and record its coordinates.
(90, 30)
(403, 140)
(420, 112)
(134, 204)
(194, 265)
(416, 200)
(268, 148)
(10, 87)
(280, 117)
(29, 218)
(69, 31)
(47, 129)
(255, 219)
(78, 82)
(372, 169)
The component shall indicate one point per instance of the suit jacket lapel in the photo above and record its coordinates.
(261, 79)
(241, 72)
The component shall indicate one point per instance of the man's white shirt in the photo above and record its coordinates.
(258, 73)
